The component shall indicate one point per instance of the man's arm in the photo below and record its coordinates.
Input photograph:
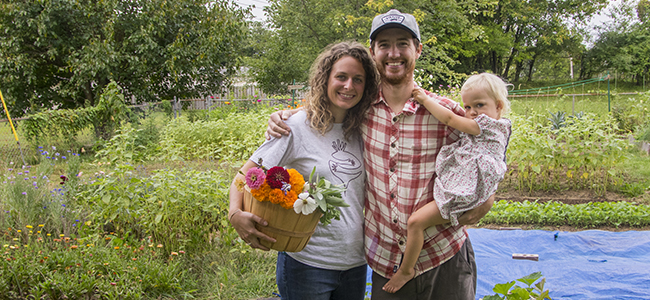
(472, 217)
(277, 127)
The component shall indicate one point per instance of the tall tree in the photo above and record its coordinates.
(521, 30)
(62, 53)
(300, 29)
(623, 45)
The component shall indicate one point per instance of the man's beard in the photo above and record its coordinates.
(394, 79)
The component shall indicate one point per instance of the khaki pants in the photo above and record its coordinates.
(455, 279)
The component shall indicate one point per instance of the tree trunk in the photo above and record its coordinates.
(513, 52)
(88, 92)
(530, 67)
(495, 64)
(518, 66)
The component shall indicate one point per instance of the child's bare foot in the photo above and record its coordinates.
(398, 281)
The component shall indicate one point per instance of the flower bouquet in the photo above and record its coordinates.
(291, 206)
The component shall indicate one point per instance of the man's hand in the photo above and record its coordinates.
(277, 127)
(472, 217)
(244, 224)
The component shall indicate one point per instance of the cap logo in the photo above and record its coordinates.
(393, 19)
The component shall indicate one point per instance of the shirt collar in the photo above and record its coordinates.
(411, 105)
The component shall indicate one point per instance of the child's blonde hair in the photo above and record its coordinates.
(493, 85)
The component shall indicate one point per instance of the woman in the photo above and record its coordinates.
(325, 134)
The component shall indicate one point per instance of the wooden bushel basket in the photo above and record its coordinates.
(291, 231)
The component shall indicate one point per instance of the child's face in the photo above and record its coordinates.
(477, 102)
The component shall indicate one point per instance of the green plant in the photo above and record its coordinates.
(553, 213)
(123, 147)
(581, 154)
(233, 137)
(69, 123)
(53, 266)
(179, 208)
(510, 291)
(558, 120)
(634, 189)
(166, 107)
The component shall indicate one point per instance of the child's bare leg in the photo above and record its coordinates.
(423, 218)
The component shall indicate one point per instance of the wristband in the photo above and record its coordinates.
(233, 214)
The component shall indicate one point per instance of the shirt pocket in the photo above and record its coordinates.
(419, 157)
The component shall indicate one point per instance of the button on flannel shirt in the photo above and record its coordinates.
(400, 153)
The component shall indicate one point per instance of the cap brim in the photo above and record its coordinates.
(392, 25)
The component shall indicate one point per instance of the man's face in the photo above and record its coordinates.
(395, 53)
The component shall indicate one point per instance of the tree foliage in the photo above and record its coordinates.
(105, 118)
(62, 53)
(623, 45)
(506, 37)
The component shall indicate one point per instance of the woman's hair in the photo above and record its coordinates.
(317, 107)
(493, 86)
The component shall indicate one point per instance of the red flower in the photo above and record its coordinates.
(276, 177)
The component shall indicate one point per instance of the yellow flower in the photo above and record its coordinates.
(19, 231)
(29, 226)
(116, 247)
(62, 235)
(159, 246)
(239, 183)
(41, 225)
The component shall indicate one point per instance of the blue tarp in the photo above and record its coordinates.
(590, 264)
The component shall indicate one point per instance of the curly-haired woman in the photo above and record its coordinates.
(326, 134)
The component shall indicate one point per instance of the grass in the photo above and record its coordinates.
(589, 104)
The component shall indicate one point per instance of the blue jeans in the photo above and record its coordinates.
(297, 281)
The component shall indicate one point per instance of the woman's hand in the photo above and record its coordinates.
(277, 128)
(244, 224)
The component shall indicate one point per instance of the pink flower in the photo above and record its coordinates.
(255, 178)
(277, 176)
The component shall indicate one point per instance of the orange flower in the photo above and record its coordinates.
(297, 181)
(276, 196)
(289, 199)
(262, 193)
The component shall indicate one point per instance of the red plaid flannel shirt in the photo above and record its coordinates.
(400, 154)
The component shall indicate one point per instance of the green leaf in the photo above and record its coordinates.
(503, 288)
(158, 218)
(531, 278)
(106, 198)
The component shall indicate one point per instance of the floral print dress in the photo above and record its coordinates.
(469, 170)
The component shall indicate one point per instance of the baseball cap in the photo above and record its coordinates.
(395, 19)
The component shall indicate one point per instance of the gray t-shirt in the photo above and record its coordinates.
(338, 246)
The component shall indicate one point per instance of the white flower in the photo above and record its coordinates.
(305, 204)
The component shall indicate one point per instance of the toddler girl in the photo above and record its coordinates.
(469, 170)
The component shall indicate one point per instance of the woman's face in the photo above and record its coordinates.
(345, 86)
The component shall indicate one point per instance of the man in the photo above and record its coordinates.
(401, 140)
